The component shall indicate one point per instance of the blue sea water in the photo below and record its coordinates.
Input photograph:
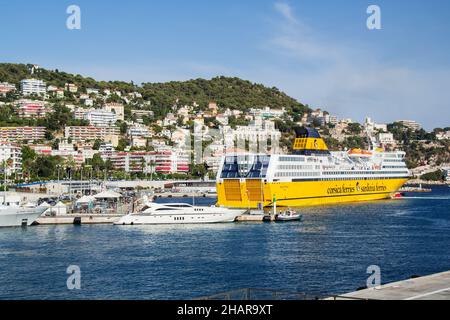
(327, 253)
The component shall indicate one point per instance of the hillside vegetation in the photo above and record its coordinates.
(233, 93)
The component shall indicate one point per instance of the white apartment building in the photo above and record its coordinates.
(443, 135)
(92, 91)
(106, 151)
(142, 113)
(139, 132)
(371, 126)
(327, 119)
(92, 133)
(33, 86)
(170, 120)
(257, 131)
(80, 113)
(65, 146)
(101, 118)
(386, 139)
(11, 155)
(138, 142)
(222, 119)
(268, 113)
(116, 108)
(71, 87)
(411, 124)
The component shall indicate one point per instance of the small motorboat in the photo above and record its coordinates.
(397, 195)
(288, 215)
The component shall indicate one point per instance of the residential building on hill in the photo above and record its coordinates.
(117, 109)
(11, 158)
(106, 134)
(31, 109)
(164, 161)
(71, 87)
(371, 126)
(268, 113)
(6, 87)
(410, 124)
(385, 139)
(101, 118)
(29, 134)
(33, 86)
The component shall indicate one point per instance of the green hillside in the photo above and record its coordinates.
(233, 93)
(227, 92)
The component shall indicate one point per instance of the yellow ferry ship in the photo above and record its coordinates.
(312, 175)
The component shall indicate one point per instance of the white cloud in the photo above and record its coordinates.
(286, 10)
(351, 82)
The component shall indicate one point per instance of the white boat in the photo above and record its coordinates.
(16, 216)
(288, 215)
(179, 213)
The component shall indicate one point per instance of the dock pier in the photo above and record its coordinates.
(180, 195)
(78, 219)
(433, 287)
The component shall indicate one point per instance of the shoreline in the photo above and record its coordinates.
(425, 182)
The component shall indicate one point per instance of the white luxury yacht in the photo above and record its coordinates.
(179, 213)
(16, 216)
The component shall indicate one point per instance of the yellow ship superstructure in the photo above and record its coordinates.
(312, 175)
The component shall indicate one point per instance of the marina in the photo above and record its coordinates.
(166, 152)
(338, 243)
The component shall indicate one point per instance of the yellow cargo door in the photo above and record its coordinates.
(255, 190)
(232, 190)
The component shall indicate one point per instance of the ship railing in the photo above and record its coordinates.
(273, 295)
(260, 294)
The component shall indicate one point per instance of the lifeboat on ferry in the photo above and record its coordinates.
(359, 152)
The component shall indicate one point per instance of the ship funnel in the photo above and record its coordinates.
(309, 142)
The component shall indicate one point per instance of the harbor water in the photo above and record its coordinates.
(328, 253)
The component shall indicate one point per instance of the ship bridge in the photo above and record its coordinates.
(308, 142)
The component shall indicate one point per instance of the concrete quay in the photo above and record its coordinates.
(255, 218)
(433, 287)
(78, 219)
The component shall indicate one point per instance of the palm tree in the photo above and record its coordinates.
(152, 166)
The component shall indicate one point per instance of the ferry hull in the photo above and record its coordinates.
(249, 193)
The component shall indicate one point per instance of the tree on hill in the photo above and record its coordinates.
(233, 93)
(433, 176)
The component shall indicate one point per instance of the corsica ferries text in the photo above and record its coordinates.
(358, 188)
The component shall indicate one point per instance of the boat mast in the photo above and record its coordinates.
(262, 195)
(274, 204)
(4, 184)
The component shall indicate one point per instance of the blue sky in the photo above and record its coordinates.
(319, 52)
